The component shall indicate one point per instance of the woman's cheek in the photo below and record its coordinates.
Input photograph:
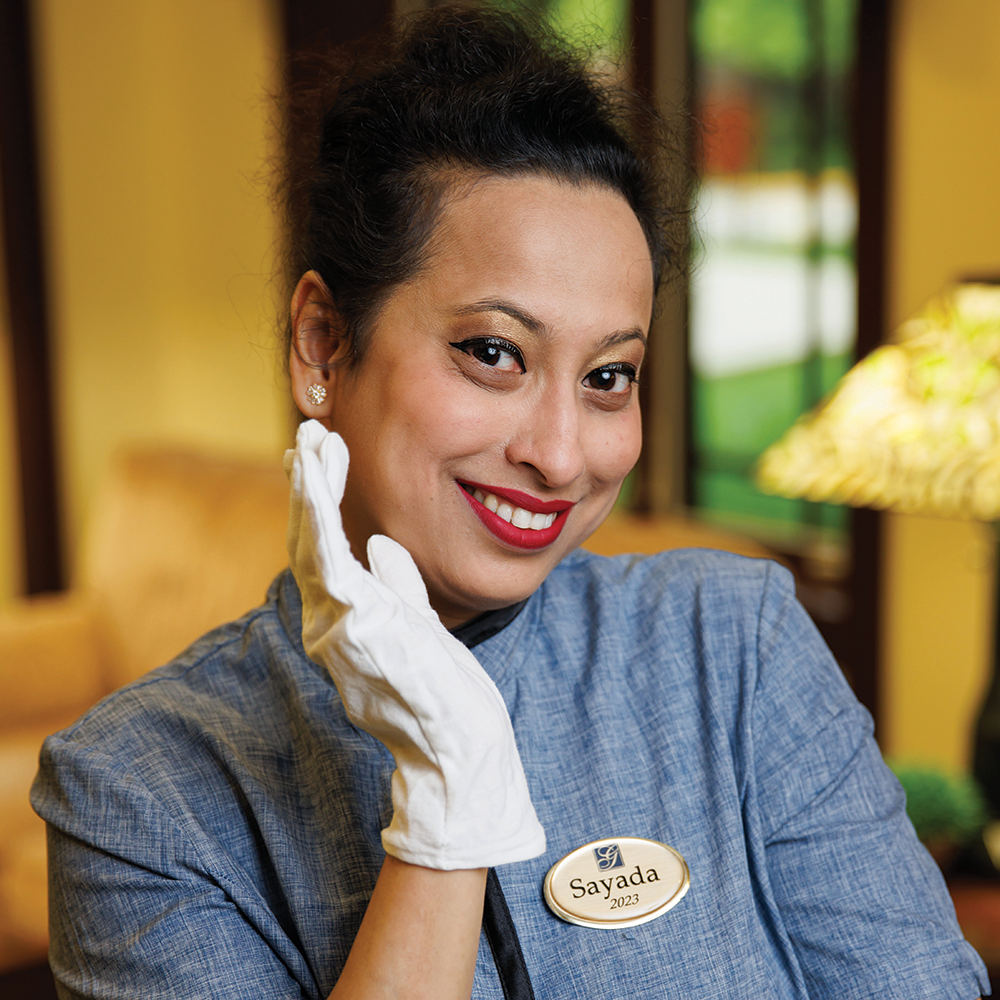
(613, 455)
(472, 420)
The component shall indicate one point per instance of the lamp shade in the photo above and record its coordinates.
(914, 426)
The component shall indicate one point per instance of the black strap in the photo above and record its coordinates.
(504, 943)
(500, 930)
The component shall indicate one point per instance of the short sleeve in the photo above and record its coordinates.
(863, 903)
(136, 908)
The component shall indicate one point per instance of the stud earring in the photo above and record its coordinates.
(316, 394)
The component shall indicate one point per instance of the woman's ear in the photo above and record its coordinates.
(319, 347)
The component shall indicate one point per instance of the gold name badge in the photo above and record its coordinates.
(616, 882)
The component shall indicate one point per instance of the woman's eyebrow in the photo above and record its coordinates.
(536, 326)
(499, 305)
(622, 337)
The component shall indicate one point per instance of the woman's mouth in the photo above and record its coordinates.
(516, 518)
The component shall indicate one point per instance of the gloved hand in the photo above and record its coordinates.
(459, 795)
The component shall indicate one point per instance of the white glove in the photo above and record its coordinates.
(459, 795)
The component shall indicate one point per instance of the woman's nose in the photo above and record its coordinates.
(549, 439)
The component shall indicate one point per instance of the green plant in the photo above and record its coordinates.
(941, 806)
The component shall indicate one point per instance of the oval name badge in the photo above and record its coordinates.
(616, 882)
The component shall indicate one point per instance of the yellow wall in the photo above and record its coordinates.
(160, 237)
(946, 223)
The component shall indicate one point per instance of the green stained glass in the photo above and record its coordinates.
(773, 295)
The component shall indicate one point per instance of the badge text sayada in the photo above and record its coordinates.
(635, 877)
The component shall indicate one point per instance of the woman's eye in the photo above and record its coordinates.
(496, 353)
(614, 379)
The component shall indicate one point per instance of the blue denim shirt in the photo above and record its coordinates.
(214, 827)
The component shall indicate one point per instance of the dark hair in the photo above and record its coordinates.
(459, 89)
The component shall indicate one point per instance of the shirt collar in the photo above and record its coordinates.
(486, 625)
(470, 633)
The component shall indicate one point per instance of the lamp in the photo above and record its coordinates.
(914, 427)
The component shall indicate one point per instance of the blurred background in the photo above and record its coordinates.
(848, 167)
(157, 312)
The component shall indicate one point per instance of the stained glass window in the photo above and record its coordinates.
(773, 295)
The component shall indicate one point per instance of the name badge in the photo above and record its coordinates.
(616, 882)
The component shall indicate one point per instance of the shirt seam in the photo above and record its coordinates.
(146, 680)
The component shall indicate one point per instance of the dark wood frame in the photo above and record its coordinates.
(857, 643)
(28, 305)
(660, 61)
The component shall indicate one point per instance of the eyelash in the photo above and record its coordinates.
(469, 346)
(619, 368)
(498, 343)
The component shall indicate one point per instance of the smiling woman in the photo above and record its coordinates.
(507, 364)
(333, 795)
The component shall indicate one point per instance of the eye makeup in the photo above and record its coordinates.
(490, 351)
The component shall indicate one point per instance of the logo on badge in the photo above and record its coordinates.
(608, 856)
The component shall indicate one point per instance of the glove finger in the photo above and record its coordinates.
(319, 472)
(329, 448)
(393, 566)
(309, 434)
(321, 460)
(293, 532)
(334, 460)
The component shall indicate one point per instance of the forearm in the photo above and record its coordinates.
(419, 936)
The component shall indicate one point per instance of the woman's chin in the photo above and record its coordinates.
(468, 574)
(455, 609)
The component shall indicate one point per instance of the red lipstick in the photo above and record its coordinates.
(521, 538)
(518, 499)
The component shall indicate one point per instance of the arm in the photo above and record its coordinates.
(419, 937)
(865, 907)
(144, 901)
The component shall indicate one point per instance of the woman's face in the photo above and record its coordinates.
(494, 414)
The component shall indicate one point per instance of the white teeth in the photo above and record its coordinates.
(521, 518)
(517, 516)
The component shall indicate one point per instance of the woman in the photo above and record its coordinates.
(314, 798)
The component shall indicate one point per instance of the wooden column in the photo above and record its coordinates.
(870, 114)
(659, 71)
(27, 297)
